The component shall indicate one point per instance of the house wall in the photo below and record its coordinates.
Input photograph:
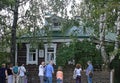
(21, 53)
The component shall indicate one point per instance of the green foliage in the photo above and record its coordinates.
(93, 9)
(64, 54)
(109, 48)
(85, 51)
(80, 51)
(97, 7)
(6, 3)
(4, 57)
(68, 23)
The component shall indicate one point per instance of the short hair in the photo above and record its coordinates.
(51, 62)
(59, 68)
(89, 62)
(78, 66)
(3, 65)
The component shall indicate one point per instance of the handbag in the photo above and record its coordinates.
(91, 74)
(74, 76)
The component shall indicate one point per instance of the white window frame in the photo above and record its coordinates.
(46, 51)
(28, 53)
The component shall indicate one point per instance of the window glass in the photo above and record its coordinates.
(56, 24)
(50, 49)
(32, 55)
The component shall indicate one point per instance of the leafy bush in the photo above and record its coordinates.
(81, 52)
(4, 57)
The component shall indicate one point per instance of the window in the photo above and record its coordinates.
(32, 55)
(50, 53)
(56, 25)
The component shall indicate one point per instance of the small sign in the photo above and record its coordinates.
(41, 53)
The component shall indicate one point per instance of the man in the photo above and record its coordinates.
(3, 73)
(49, 70)
(22, 71)
(89, 72)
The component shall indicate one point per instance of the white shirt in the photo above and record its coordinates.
(22, 71)
(41, 70)
(77, 71)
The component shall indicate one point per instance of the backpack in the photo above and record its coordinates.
(15, 69)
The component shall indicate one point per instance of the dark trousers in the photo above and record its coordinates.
(2, 80)
(78, 79)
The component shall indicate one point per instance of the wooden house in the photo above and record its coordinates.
(29, 53)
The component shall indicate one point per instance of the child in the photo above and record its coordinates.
(77, 73)
(59, 75)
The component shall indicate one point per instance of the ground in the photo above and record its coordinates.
(99, 76)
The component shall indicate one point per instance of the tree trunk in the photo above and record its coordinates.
(116, 47)
(112, 76)
(102, 38)
(13, 32)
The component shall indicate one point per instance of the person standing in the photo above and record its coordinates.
(41, 72)
(89, 71)
(16, 72)
(22, 71)
(49, 71)
(59, 75)
(3, 73)
(9, 74)
(77, 73)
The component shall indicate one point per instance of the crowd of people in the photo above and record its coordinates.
(46, 72)
(12, 74)
(16, 74)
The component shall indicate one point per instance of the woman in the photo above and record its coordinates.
(41, 72)
(59, 75)
(77, 73)
(9, 74)
(22, 71)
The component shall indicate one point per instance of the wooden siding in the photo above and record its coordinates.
(21, 55)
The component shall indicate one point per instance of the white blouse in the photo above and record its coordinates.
(77, 71)
(41, 70)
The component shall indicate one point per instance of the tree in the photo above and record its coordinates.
(13, 31)
(102, 15)
(10, 6)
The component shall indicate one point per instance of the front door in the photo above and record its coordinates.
(50, 53)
